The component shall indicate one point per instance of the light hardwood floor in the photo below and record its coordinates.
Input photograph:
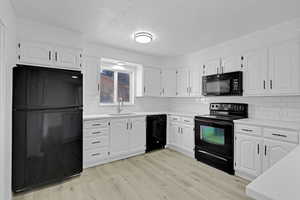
(163, 174)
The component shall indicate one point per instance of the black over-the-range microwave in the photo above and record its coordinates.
(227, 84)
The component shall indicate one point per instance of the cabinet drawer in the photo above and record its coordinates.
(95, 132)
(250, 130)
(277, 134)
(95, 155)
(188, 121)
(92, 143)
(95, 124)
(174, 118)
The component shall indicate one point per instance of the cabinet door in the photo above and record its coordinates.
(188, 142)
(183, 82)
(176, 136)
(137, 134)
(285, 68)
(151, 82)
(195, 82)
(211, 67)
(119, 137)
(256, 72)
(68, 58)
(35, 53)
(168, 83)
(231, 64)
(248, 154)
(91, 74)
(275, 151)
(173, 128)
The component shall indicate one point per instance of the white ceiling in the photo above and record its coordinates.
(180, 26)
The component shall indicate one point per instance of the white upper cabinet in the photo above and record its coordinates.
(152, 82)
(248, 154)
(284, 68)
(274, 151)
(195, 81)
(35, 53)
(183, 83)
(255, 72)
(67, 57)
(231, 64)
(137, 134)
(212, 66)
(91, 75)
(168, 83)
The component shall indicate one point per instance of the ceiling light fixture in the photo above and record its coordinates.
(143, 37)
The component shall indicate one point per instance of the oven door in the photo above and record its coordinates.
(214, 136)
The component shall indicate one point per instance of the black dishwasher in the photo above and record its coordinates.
(156, 132)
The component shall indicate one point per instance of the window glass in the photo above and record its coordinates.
(107, 86)
(124, 86)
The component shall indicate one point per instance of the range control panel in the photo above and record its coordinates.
(237, 109)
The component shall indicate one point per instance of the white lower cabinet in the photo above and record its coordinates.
(181, 134)
(128, 137)
(105, 140)
(255, 152)
(248, 156)
(275, 151)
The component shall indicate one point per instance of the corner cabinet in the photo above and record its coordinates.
(41, 54)
(257, 148)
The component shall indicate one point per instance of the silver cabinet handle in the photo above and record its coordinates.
(94, 133)
(96, 142)
(271, 84)
(96, 154)
(178, 130)
(49, 55)
(55, 56)
(247, 130)
(258, 149)
(96, 124)
(264, 83)
(186, 120)
(265, 150)
(131, 125)
(181, 130)
(279, 135)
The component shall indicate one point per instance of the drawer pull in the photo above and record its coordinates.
(96, 124)
(96, 132)
(96, 154)
(96, 142)
(175, 119)
(186, 121)
(247, 130)
(279, 135)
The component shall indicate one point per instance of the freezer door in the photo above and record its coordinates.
(52, 147)
(42, 88)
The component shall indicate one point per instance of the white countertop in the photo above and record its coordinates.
(280, 182)
(270, 123)
(135, 114)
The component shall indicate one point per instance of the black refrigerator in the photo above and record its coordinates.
(47, 126)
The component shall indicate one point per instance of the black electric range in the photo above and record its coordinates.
(214, 135)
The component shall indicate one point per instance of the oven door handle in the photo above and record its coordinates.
(213, 155)
(213, 123)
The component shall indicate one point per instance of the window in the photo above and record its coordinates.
(116, 84)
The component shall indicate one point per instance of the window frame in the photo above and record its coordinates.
(131, 73)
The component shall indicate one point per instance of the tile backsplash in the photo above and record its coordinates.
(271, 108)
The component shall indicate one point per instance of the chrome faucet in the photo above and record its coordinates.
(120, 105)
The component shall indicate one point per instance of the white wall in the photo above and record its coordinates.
(7, 17)
(277, 108)
(91, 102)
